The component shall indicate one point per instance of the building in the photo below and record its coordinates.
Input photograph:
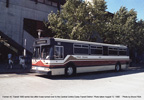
(19, 20)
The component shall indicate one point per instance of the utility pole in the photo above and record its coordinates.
(25, 47)
(39, 32)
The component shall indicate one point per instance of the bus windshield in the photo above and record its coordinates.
(36, 53)
(44, 52)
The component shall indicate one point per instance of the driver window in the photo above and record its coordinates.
(59, 54)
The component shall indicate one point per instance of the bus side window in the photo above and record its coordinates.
(96, 50)
(59, 52)
(122, 52)
(113, 51)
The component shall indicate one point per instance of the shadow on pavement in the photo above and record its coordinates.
(96, 75)
(16, 69)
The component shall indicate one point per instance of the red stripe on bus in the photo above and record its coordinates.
(92, 63)
(82, 63)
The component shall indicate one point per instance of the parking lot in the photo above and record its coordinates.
(111, 85)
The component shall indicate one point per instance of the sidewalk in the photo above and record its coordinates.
(16, 69)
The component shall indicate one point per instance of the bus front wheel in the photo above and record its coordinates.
(69, 71)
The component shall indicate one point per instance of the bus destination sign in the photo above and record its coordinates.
(41, 42)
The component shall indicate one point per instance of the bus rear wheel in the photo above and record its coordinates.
(69, 71)
(117, 67)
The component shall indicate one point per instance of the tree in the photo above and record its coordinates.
(124, 29)
(79, 20)
(139, 36)
(85, 21)
(121, 29)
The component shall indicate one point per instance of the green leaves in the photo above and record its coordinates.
(78, 20)
(90, 22)
(125, 29)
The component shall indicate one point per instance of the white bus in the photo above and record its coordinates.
(54, 56)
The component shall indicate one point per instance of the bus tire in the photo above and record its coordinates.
(117, 67)
(70, 70)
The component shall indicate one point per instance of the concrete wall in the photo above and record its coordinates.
(11, 18)
(29, 41)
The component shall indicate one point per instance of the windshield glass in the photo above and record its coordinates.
(36, 53)
(46, 52)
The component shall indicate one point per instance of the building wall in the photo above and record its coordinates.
(11, 17)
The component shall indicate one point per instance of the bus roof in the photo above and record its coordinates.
(80, 42)
(86, 42)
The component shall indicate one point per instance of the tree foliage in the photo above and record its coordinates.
(85, 21)
(124, 29)
(79, 20)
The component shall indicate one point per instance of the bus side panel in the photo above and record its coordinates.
(124, 66)
(95, 68)
(58, 71)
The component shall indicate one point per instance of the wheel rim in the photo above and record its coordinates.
(69, 71)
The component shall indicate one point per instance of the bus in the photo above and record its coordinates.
(55, 56)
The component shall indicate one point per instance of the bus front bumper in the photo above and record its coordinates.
(41, 70)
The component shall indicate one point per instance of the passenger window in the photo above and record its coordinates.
(113, 51)
(96, 50)
(122, 51)
(81, 49)
(59, 52)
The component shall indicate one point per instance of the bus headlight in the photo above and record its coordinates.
(33, 68)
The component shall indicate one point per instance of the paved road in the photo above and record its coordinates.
(110, 85)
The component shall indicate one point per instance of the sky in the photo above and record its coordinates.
(137, 5)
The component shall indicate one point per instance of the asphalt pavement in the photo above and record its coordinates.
(105, 85)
